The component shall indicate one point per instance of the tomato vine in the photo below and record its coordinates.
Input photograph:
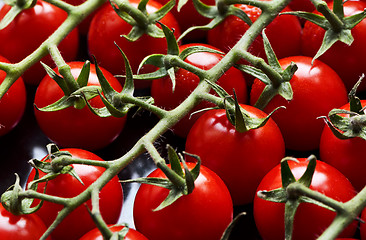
(119, 103)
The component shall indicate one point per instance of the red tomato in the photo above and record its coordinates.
(363, 225)
(240, 159)
(317, 89)
(186, 82)
(188, 17)
(96, 235)
(284, 33)
(346, 60)
(310, 220)
(12, 104)
(23, 227)
(106, 29)
(73, 127)
(78, 222)
(345, 155)
(26, 33)
(204, 214)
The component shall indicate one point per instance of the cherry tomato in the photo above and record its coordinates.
(23, 227)
(284, 33)
(78, 222)
(317, 89)
(106, 29)
(73, 127)
(310, 219)
(240, 159)
(96, 235)
(186, 82)
(346, 60)
(12, 104)
(26, 33)
(203, 214)
(345, 155)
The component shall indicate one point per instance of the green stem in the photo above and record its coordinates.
(352, 209)
(64, 69)
(64, 161)
(335, 22)
(97, 216)
(62, 5)
(44, 197)
(125, 98)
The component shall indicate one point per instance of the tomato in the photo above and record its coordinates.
(346, 155)
(96, 235)
(240, 159)
(106, 29)
(186, 82)
(73, 127)
(78, 222)
(317, 89)
(26, 33)
(363, 225)
(23, 227)
(310, 220)
(188, 17)
(284, 33)
(12, 104)
(346, 60)
(203, 214)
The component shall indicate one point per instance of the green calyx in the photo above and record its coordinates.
(15, 202)
(139, 19)
(236, 114)
(288, 193)
(77, 93)
(276, 79)
(53, 166)
(174, 59)
(346, 124)
(337, 27)
(17, 6)
(179, 181)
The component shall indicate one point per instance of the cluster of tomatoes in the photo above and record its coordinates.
(235, 165)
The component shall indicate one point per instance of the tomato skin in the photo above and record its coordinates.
(78, 222)
(346, 155)
(363, 225)
(202, 215)
(284, 30)
(93, 132)
(186, 82)
(96, 235)
(317, 89)
(26, 33)
(105, 31)
(12, 103)
(240, 159)
(310, 220)
(346, 60)
(23, 227)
